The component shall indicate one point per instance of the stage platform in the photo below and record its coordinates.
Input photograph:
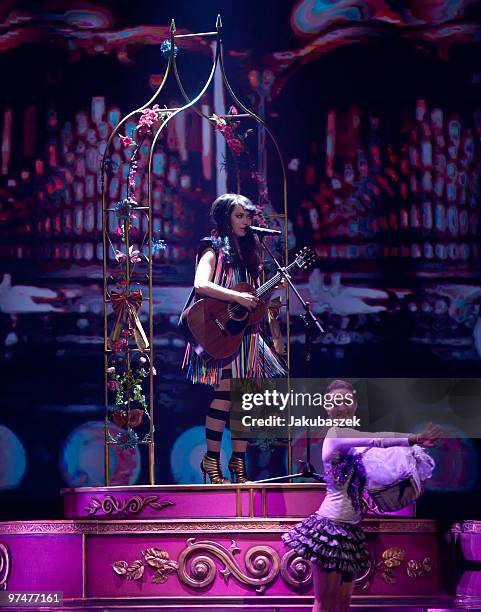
(213, 546)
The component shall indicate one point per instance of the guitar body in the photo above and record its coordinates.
(211, 323)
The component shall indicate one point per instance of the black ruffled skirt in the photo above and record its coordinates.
(333, 546)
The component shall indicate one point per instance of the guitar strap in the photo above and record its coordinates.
(192, 291)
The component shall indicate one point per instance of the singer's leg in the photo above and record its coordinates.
(217, 417)
(237, 462)
(215, 422)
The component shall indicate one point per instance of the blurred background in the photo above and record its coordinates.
(377, 109)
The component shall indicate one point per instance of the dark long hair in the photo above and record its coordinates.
(249, 253)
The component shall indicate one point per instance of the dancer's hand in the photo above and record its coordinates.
(429, 436)
(247, 300)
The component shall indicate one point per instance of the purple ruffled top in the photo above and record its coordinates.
(350, 467)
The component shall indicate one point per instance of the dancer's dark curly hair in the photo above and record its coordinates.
(249, 254)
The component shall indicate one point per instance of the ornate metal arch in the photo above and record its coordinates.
(124, 305)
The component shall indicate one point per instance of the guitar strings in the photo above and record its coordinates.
(270, 284)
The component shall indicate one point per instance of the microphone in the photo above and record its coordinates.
(263, 231)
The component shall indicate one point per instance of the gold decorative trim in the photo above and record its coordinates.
(5, 566)
(84, 565)
(363, 581)
(238, 502)
(134, 505)
(395, 557)
(401, 525)
(296, 571)
(153, 558)
(198, 570)
(259, 525)
(251, 503)
(467, 527)
(301, 486)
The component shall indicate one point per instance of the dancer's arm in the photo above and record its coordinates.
(205, 287)
(344, 438)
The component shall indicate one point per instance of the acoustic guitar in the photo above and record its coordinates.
(217, 327)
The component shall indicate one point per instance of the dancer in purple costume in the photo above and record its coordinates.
(331, 537)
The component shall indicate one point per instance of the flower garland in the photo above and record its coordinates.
(228, 129)
(126, 379)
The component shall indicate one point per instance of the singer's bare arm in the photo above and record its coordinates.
(204, 287)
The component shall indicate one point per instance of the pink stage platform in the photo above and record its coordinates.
(219, 546)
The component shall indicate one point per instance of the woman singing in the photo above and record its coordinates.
(230, 256)
(331, 537)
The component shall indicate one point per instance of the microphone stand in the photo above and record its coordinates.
(312, 327)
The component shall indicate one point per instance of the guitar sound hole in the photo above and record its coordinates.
(237, 312)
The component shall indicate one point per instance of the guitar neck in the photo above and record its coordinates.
(266, 287)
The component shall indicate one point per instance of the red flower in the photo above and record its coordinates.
(126, 333)
(228, 132)
(236, 146)
(119, 345)
(113, 385)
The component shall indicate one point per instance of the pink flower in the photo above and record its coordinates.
(112, 385)
(111, 370)
(143, 360)
(126, 333)
(127, 141)
(119, 231)
(134, 254)
(154, 371)
(149, 117)
(233, 111)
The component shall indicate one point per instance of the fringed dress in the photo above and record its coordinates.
(254, 359)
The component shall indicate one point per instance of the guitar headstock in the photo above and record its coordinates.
(305, 258)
